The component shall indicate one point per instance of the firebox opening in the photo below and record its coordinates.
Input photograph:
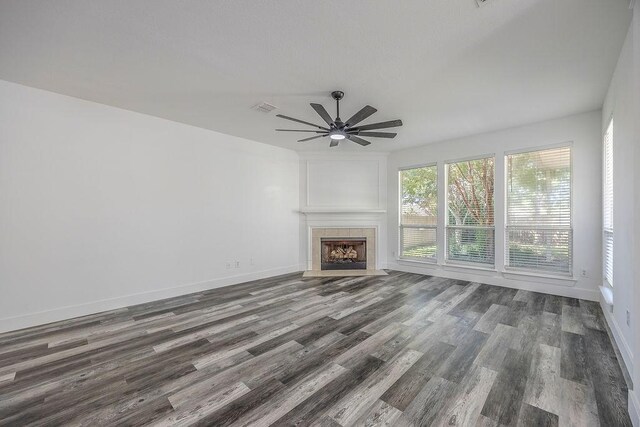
(345, 253)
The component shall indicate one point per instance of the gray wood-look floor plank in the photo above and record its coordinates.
(505, 398)
(430, 401)
(533, 416)
(399, 350)
(406, 388)
(573, 358)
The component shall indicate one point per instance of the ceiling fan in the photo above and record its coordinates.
(339, 130)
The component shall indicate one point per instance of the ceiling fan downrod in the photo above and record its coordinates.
(337, 95)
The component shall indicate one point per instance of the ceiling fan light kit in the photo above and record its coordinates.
(338, 130)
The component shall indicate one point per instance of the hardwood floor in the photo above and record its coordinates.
(403, 349)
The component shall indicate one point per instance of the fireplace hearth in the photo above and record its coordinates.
(343, 253)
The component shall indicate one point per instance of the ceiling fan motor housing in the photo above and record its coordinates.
(337, 95)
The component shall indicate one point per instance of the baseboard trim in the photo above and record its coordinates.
(522, 283)
(618, 337)
(63, 313)
(634, 408)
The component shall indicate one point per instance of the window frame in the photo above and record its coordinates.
(446, 226)
(605, 230)
(400, 257)
(507, 267)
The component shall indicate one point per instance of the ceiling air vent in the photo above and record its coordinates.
(264, 107)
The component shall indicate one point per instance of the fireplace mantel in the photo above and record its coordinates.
(307, 211)
(341, 189)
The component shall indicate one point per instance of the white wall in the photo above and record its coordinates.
(102, 207)
(583, 131)
(623, 104)
(634, 396)
(619, 105)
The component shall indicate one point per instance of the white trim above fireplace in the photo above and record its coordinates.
(341, 210)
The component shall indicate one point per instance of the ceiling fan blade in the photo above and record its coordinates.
(381, 125)
(300, 130)
(376, 134)
(357, 140)
(300, 121)
(366, 111)
(313, 137)
(334, 143)
(323, 113)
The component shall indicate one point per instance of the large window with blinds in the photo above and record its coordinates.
(419, 213)
(470, 234)
(538, 223)
(607, 199)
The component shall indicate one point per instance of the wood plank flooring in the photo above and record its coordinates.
(398, 350)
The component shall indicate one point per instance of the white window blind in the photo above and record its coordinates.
(470, 203)
(419, 213)
(607, 201)
(539, 235)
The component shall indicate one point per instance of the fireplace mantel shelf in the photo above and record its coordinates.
(341, 210)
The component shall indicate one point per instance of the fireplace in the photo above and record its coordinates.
(324, 240)
(343, 253)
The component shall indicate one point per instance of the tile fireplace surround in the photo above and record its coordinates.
(319, 233)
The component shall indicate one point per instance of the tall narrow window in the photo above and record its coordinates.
(607, 214)
(470, 226)
(539, 234)
(419, 213)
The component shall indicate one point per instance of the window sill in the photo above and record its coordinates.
(607, 296)
(465, 267)
(523, 272)
(550, 278)
(450, 267)
(418, 261)
(489, 271)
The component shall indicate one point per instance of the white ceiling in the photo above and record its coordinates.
(445, 67)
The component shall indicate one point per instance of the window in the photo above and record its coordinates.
(607, 200)
(419, 213)
(539, 234)
(470, 230)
